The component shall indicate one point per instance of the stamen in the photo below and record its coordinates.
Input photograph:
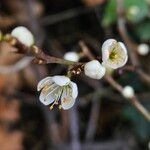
(64, 100)
(60, 107)
(55, 102)
(51, 107)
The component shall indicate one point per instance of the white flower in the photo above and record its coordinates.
(58, 88)
(143, 49)
(23, 35)
(94, 69)
(114, 54)
(128, 92)
(72, 56)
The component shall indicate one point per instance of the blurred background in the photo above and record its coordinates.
(101, 119)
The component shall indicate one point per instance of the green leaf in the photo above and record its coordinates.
(136, 10)
(141, 126)
(142, 31)
(110, 14)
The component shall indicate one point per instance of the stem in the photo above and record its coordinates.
(130, 44)
(133, 100)
(39, 56)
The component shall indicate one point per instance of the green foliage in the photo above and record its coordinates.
(142, 31)
(136, 11)
(141, 126)
(110, 13)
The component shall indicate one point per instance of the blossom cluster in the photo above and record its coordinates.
(59, 89)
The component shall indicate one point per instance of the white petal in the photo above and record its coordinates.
(71, 56)
(61, 80)
(43, 82)
(116, 65)
(94, 69)
(67, 102)
(123, 47)
(52, 95)
(120, 60)
(105, 48)
(23, 35)
(46, 96)
(74, 90)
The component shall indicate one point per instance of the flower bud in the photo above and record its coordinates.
(143, 49)
(71, 56)
(128, 92)
(23, 35)
(94, 69)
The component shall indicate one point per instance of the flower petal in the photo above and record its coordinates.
(94, 69)
(120, 52)
(45, 95)
(72, 56)
(74, 90)
(123, 47)
(52, 96)
(23, 35)
(105, 48)
(67, 102)
(44, 82)
(61, 80)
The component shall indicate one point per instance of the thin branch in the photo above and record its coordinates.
(130, 44)
(65, 15)
(39, 56)
(74, 129)
(21, 64)
(85, 50)
(94, 116)
(133, 100)
(33, 22)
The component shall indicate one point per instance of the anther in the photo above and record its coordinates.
(51, 107)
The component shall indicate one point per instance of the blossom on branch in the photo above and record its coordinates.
(128, 91)
(114, 54)
(58, 88)
(72, 56)
(94, 69)
(143, 49)
(23, 35)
